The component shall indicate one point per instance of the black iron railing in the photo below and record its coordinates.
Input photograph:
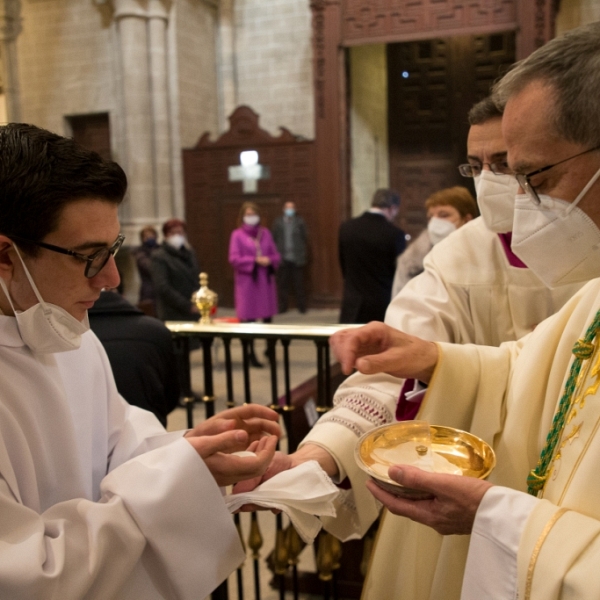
(287, 545)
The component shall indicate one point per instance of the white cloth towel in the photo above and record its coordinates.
(301, 493)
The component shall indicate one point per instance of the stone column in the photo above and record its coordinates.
(10, 27)
(131, 18)
(158, 15)
(227, 59)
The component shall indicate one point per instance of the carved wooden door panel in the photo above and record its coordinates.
(432, 84)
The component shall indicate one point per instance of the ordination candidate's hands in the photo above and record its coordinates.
(283, 462)
(254, 419)
(453, 506)
(379, 348)
(251, 427)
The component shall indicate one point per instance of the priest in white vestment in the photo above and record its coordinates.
(535, 522)
(97, 501)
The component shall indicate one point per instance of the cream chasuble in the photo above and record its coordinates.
(508, 396)
(468, 293)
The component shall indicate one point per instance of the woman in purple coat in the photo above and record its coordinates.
(254, 257)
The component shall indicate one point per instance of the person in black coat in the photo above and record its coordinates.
(368, 248)
(140, 351)
(175, 274)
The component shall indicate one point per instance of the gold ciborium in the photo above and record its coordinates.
(380, 448)
(206, 300)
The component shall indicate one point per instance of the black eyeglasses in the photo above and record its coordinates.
(95, 262)
(468, 170)
(523, 179)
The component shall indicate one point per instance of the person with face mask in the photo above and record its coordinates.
(96, 499)
(289, 233)
(535, 522)
(255, 259)
(447, 211)
(143, 260)
(369, 246)
(473, 290)
(175, 272)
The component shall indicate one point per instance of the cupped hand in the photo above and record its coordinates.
(454, 504)
(227, 468)
(379, 348)
(280, 462)
(254, 419)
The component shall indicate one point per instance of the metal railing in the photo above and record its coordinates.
(287, 545)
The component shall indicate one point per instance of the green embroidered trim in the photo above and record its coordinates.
(583, 350)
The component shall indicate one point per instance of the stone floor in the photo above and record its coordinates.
(302, 366)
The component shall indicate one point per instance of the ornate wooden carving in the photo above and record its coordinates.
(213, 202)
(390, 20)
(331, 144)
(244, 129)
(536, 24)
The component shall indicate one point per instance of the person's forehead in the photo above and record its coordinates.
(485, 140)
(441, 208)
(527, 126)
(86, 223)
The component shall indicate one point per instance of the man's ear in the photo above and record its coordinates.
(6, 257)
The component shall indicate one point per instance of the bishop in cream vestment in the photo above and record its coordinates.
(509, 396)
(468, 293)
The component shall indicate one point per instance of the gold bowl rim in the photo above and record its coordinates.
(392, 486)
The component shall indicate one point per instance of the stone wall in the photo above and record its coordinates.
(65, 62)
(574, 13)
(274, 63)
(368, 124)
(195, 26)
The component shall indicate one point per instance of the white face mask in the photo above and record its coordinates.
(557, 240)
(439, 229)
(44, 327)
(251, 220)
(496, 200)
(177, 240)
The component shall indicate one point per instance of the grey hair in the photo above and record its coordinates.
(483, 111)
(570, 65)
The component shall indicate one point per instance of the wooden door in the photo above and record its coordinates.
(432, 84)
(92, 132)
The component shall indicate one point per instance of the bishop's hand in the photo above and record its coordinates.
(453, 506)
(379, 348)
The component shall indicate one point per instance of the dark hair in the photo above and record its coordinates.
(40, 173)
(384, 198)
(170, 224)
(458, 196)
(483, 111)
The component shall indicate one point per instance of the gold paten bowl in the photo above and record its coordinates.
(472, 455)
